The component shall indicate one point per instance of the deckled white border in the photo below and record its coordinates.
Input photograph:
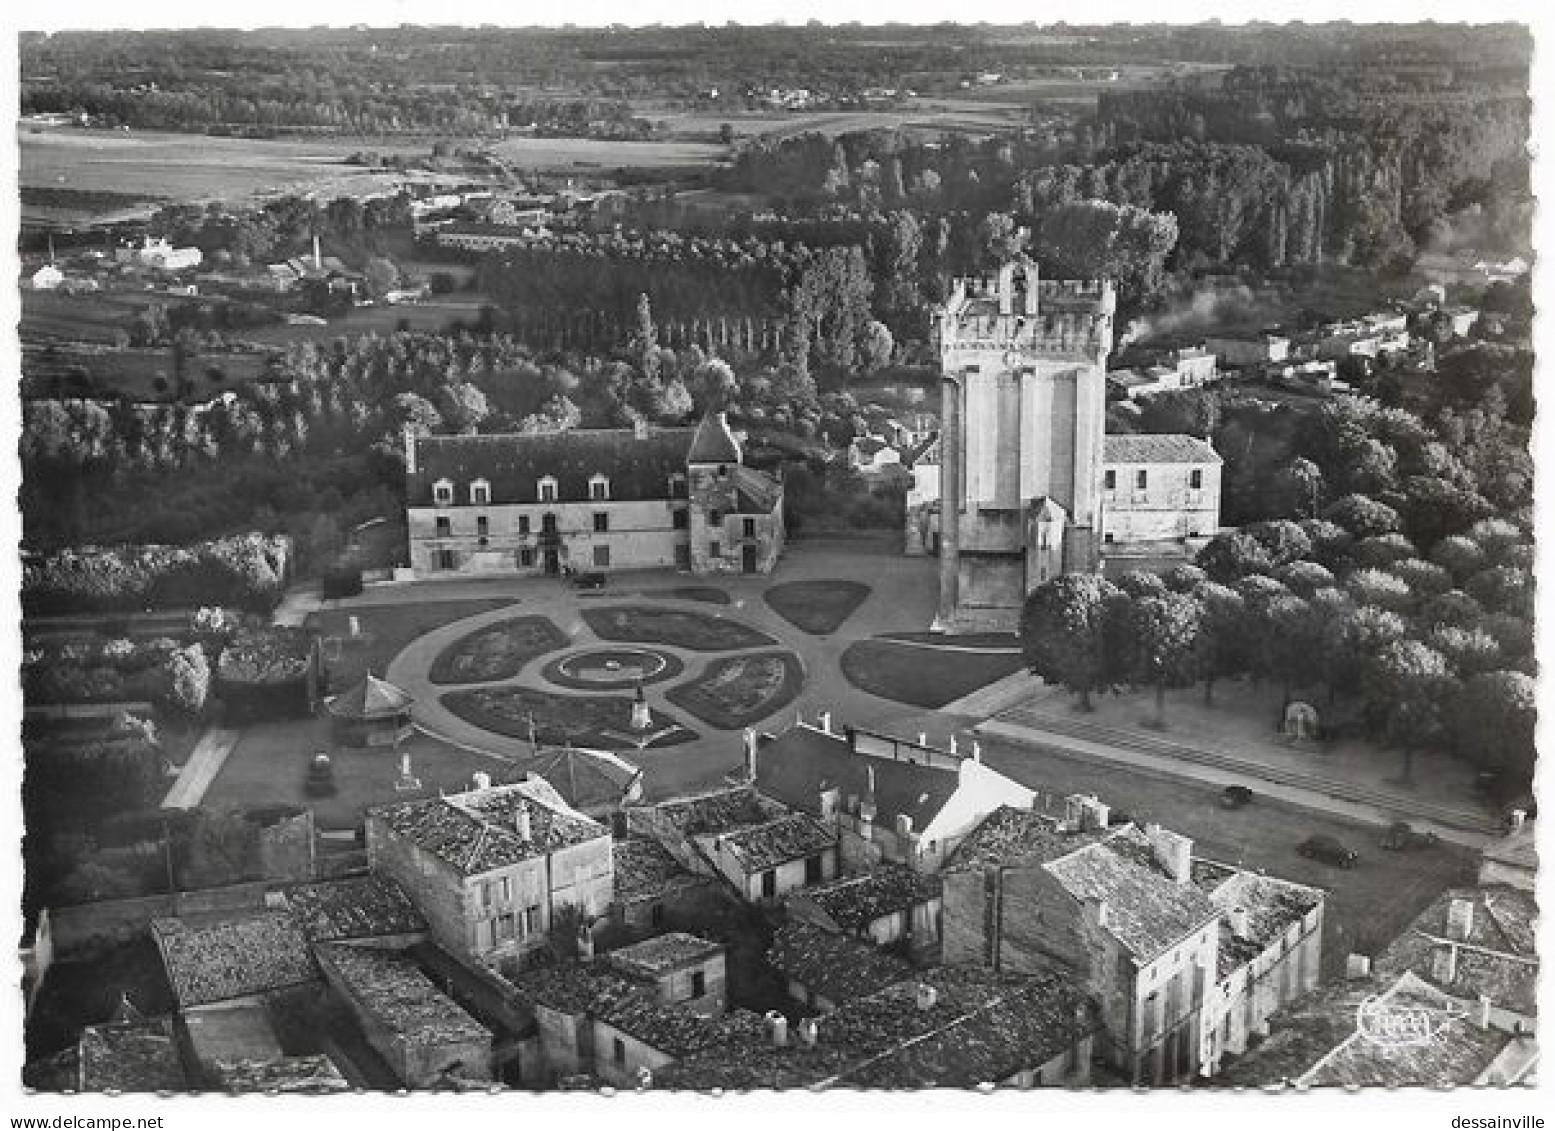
(922, 1111)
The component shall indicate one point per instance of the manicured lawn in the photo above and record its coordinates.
(924, 677)
(818, 607)
(584, 720)
(698, 632)
(270, 763)
(737, 691)
(497, 651)
(386, 630)
(961, 640)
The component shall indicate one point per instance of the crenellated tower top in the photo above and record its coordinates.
(1016, 310)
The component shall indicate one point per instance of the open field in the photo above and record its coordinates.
(194, 167)
(435, 315)
(599, 153)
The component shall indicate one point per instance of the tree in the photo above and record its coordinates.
(189, 679)
(1424, 579)
(1502, 589)
(1352, 637)
(416, 414)
(1382, 590)
(1300, 486)
(999, 239)
(382, 276)
(1282, 539)
(463, 406)
(1330, 542)
(1406, 684)
(1221, 645)
(674, 402)
(1232, 556)
(1362, 516)
(1065, 633)
(1492, 720)
(1138, 583)
(1290, 640)
(1454, 607)
(1304, 578)
(714, 385)
(1165, 632)
(876, 345)
(1458, 555)
(1184, 578)
(1469, 650)
(1089, 239)
(1382, 550)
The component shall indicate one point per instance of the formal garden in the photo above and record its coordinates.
(603, 721)
(696, 632)
(497, 651)
(737, 691)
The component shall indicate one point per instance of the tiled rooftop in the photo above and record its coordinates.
(982, 1026)
(476, 832)
(586, 989)
(1147, 911)
(219, 957)
(718, 810)
(399, 996)
(1499, 958)
(1272, 906)
(767, 845)
(305, 1075)
(359, 907)
(644, 869)
(856, 901)
(656, 956)
(1456, 1053)
(1010, 836)
(835, 966)
(1160, 448)
(133, 1056)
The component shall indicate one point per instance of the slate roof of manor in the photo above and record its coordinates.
(797, 765)
(639, 469)
(476, 832)
(1165, 448)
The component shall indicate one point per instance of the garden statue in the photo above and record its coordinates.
(642, 718)
(1300, 721)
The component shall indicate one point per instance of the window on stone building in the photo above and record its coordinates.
(523, 524)
(548, 490)
(1196, 479)
(505, 926)
(768, 884)
(445, 559)
(618, 1050)
(681, 519)
(812, 870)
(750, 528)
(698, 983)
(488, 893)
(656, 915)
(601, 556)
(526, 558)
(444, 526)
(1141, 479)
(599, 488)
(715, 518)
(601, 523)
(480, 492)
(1109, 480)
(531, 920)
(482, 526)
(442, 492)
(715, 550)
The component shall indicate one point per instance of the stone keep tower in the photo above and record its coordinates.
(1023, 364)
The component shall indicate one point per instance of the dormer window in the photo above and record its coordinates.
(480, 492)
(547, 489)
(443, 492)
(599, 488)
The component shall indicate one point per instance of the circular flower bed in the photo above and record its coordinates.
(612, 669)
(498, 651)
(737, 691)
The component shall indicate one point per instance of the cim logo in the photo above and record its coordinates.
(1400, 1026)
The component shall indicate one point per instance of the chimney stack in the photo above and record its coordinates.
(481, 779)
(1173, 851)
(952, 742)
(1483, 1013)
(521, 821)
(1357, 966)
(777, 1029)
(750, 753)
(1444, 964)
(1514, 820)
(585, 943)
(809, 1032)
(927, 996)
(1238, 919)
(640, 427)
(1460, 919)
(318, 260)
(410, 450)
(826, 722)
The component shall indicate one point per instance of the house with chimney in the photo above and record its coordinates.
(760, 848)
(950, 1027)
(651, 885)
(821, 969)
(491, 868)
(886, 799)
(594, 499)
(1184, 958)
(679, 969)
(889, 905)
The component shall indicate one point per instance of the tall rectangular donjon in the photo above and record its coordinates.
(1024, 363)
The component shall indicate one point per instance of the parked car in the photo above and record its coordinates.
(320, 781)
(1328, 850)
(1401, 837)
(1235, 797)
(584, 580)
